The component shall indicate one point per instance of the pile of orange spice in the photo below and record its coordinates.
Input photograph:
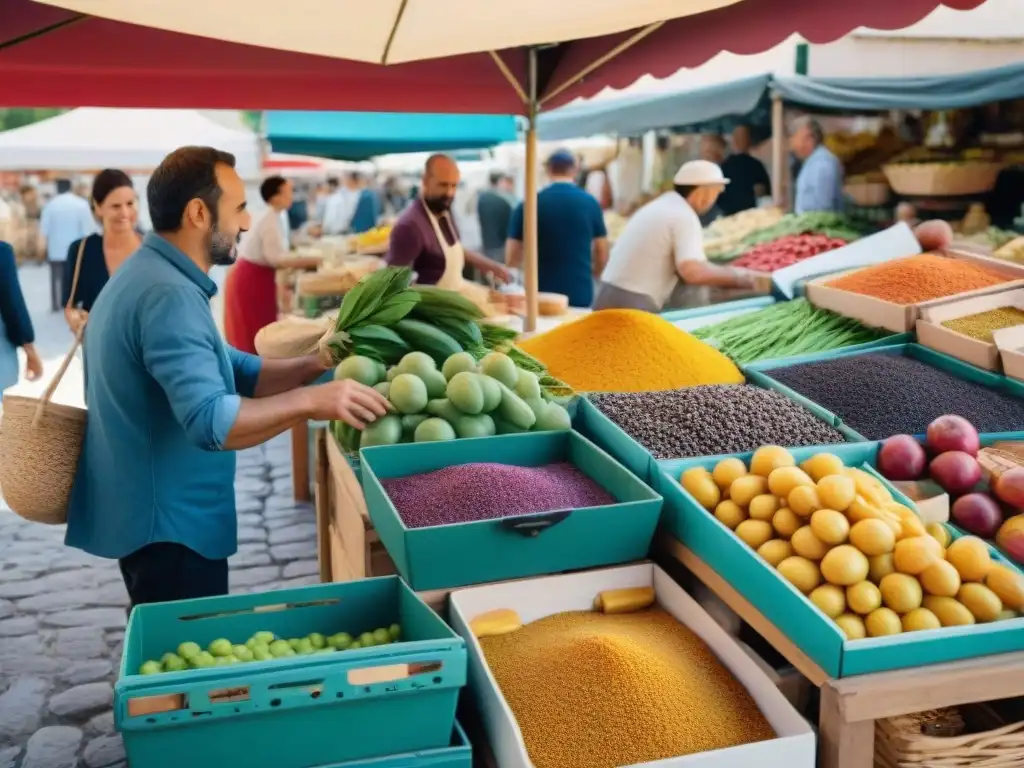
(918, 279)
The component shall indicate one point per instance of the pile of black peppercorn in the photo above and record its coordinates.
(713, 419)
(883, 395)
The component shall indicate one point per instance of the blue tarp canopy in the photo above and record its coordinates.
(712, 108)
(361, 135)
(872, 94)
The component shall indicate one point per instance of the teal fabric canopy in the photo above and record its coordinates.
(361, 135)
(713, 108)
(841, 94)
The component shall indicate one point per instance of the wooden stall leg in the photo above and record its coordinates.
(300, 461)
(843, 744)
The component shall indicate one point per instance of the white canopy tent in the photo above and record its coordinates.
(134, 140)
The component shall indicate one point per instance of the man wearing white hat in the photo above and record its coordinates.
(663, 243)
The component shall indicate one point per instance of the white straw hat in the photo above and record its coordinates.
(698, 173)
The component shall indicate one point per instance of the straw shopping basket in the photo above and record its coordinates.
(899, 743)
(40, 443)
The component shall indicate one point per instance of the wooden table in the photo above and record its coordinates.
(850, 705)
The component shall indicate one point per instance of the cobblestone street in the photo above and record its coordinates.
(62, 612)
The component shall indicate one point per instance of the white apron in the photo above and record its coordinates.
(454, 255)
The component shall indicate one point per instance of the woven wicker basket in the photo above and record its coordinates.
(899, 743)
(942, 179)
(40, 443)
(868, 194)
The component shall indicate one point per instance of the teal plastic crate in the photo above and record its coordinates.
(789, 610)
(492, 550)
(610, 436)
(740, 305)
(458, 755)
(760, 373)
(299, 711)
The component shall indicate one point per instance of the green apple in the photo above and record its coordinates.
(317, 640)
(202, 660)
(395, 631)
(173, 663)
(220, 661)
(366, 639)
(355, 646)
(304, 648)
(151, 668)
(280, 648)
(188, 650)
(294, 643)
(242, 653)
(381, 636)
(261, 653)
(251, 643)
(264, 638)
(341, 641)
(220, 647)
(328, 649)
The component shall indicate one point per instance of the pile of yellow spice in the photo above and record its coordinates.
(593, 690)
(626, 350)
(982, 325)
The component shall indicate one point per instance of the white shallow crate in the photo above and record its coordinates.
(533, 599)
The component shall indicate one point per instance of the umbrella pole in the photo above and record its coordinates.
(530, 201)
(778, 151)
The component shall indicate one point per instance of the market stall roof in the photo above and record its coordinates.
(61, 52)
(840, 94)
(360, 135)
(90, 139)
(692, 111)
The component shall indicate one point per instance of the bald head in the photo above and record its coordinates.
(440, 181)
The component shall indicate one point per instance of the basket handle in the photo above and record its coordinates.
(45, 399)
(51, 388)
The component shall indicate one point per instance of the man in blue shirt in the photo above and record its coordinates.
(64, 220)
(572, 242)
(169, 402)
(819, 186)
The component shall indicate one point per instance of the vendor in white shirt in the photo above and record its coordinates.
(663, 243)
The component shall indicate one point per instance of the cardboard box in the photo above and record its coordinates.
(932, 333)
(533, 599)
(901, 318)
(1010, 343)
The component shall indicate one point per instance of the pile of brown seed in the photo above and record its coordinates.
(592, 690)
(714, 419)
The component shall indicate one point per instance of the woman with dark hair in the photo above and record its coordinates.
(250, 293)
(115, 205)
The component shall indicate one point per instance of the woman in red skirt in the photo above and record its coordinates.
(250, 292)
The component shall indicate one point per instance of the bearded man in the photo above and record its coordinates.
(169, 402)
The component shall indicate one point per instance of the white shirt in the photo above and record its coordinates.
(655, 241)
(265, 243)
(341, 205)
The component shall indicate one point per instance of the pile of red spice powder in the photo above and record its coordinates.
(917, 279)
(486, 491)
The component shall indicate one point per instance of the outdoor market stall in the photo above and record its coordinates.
(856, 689)
(308, 676)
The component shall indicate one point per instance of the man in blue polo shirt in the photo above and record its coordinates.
(572, 241)
(169, 402)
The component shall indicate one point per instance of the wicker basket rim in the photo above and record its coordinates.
(966, 165)
(52, 409)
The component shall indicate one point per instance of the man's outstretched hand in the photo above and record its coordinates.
(349, 401)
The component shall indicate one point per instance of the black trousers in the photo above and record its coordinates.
(56, 285)
(166, 571)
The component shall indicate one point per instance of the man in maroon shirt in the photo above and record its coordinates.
(416, 242)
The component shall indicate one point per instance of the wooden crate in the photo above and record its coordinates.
(349, 546)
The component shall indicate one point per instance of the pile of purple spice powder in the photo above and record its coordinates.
(487, 491)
